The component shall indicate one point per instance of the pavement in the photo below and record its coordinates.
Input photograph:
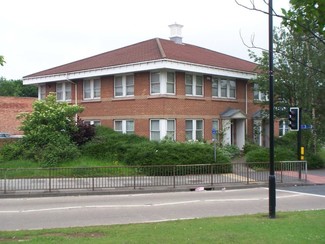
(316, 176)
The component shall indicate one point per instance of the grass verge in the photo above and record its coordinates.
(288, 227)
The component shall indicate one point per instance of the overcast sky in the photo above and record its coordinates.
(41, 34)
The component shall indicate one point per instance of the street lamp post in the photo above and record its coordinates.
(272, 197)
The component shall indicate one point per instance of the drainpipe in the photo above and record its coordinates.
(246, 107)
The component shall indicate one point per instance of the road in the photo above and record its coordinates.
(71, 211)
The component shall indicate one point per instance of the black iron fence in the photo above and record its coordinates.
(171, 176)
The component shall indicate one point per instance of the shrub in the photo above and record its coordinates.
(11, 151)
(249, 146)
(259, 155)
(230, 150)
(83, 133)
(315, 161)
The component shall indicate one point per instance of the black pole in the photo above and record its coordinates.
(299, 135)
(271, 118)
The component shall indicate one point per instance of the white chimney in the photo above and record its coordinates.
(176, 33)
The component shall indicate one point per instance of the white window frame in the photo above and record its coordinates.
(125, 129)
(163, 129)
(93, 122)
(64, 92)
(283, 127)
(41, 92)
(194, 85)
(258, 95)
(92, 87)
(223, 85)
(124, 85)
(194, 129)
(163, 82)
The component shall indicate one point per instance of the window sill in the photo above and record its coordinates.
(224, 99)
(91, 100)
(123, 98)
(161, 96)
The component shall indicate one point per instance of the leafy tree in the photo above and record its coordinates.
(48, 131)
(298, 80)
(306, 17)
(2, 60)
(16, 88)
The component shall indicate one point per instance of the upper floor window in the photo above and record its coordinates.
(194, 85)
(41, 92)
(194, 129)
(63, 91)
(223, 88)
(124, 126)
(258, 95)
(162, 82)
(124, 86)
(91, 89)
(162, 129)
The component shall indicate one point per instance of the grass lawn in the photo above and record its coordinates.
(288, 227)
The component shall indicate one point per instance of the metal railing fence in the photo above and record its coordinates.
(115, 177)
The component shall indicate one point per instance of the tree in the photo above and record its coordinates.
(48, 131)
(2, 60)
(16, 88)
(298, 80)
(306, 17)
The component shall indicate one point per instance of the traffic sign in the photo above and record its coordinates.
(214, 131)
(306, 127)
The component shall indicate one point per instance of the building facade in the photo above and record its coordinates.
(161, 89)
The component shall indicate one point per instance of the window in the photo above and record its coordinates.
(162, 82)
(124, 126)
(155, 83)
(194, 130)
(124, 86)
(92, 122)
(170, 83)
(283, 127)
(41, 92)
(194, 85)
(91, 89)
(162, 129)
(258, 95)
(63, 91)
(223, 88)
(215, 87)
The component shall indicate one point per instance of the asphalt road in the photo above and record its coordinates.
(71, 211)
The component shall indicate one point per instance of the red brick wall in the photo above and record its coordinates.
(10, 107)
(143, 107)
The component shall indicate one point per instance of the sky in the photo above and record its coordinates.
(38, 34)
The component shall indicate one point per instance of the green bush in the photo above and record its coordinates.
(259, 155)
(230, 150)
(11, 151)
(315, 161)
(249, 146)
(110, 145)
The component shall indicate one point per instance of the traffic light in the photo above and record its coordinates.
(294, 118)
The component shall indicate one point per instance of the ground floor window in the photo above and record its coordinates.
(194, 129)
(162, 129)
(283, 127)
(124, 126)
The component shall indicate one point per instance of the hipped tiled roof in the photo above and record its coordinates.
(150, 50)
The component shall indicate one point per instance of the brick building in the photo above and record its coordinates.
(162, 89)
(10, 107)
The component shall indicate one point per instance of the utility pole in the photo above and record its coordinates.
(272, 197)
